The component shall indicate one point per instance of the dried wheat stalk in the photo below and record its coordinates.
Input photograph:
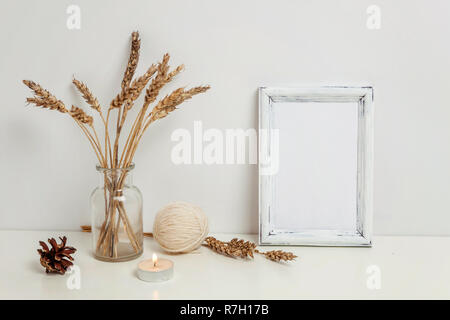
(93, 102)
(125, 93)
(139, 84)
(107, 154)
(47, 100)
(161, 110)
(132, 60)
(159, 81)
(87, 95)
(245, 249)
(79, 115)
(225, 248)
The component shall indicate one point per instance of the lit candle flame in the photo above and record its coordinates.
(154, 259)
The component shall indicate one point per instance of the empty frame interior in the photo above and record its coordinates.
(315, 187)
(318, 194)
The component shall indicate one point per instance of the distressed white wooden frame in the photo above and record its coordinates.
(362, 236)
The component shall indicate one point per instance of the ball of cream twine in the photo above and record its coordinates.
(180, 227)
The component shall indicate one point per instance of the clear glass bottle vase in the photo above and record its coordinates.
(116, 213)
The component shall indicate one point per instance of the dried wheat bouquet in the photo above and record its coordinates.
(107, 149)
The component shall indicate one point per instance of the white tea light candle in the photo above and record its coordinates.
(154, 270)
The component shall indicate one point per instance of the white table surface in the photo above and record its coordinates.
(410, 268)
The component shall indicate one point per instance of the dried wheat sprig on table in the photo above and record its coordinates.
(278, 255)
(80, 115)
(245, 249)
(169, 103)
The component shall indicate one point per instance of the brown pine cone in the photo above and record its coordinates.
(55, 259)
(244, 249)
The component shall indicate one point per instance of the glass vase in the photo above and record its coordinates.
(116, 212)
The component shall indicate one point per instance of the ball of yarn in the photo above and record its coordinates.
(180, 227)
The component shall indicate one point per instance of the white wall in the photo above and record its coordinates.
(235, 46)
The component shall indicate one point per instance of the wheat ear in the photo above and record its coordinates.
(126, 94)
(151, 93)
(134, 90)
(85, 120)
(163, 77)
(132, 60)
(47, 100)
(93, 102)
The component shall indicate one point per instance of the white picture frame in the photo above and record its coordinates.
(271, 101)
